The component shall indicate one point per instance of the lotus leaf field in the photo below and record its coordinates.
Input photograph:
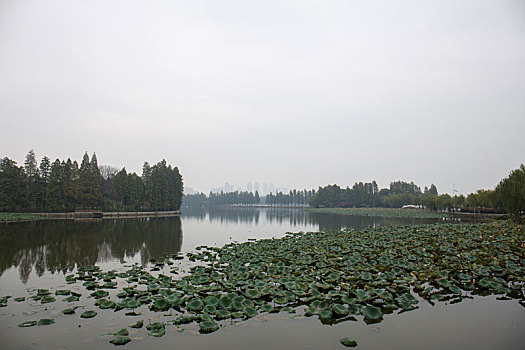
(334, 276)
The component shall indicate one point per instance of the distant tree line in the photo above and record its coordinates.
(293, 198)
(508, 196)
(221, 198)
(368, 194)
(64, 186)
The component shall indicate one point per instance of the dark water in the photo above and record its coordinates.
(39, 254)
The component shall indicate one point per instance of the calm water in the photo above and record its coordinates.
(39, 254)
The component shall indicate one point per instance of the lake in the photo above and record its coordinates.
(40, 254)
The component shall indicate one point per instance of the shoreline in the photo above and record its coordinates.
(26, 217)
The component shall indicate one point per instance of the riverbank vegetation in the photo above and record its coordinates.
(65, 186)
(380, 212)
(508, 197)
(18, 217)
(333, 276)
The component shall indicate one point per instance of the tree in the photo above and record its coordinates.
(12, 193)
(510, 193)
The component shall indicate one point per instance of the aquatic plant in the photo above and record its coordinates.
(330, 275)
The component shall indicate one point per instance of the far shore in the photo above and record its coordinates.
(85, 214)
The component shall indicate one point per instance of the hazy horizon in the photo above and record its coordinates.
(300, 95)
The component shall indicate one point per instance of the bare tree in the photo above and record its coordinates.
(108, 171)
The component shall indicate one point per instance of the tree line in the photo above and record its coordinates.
(508, 196)
(65, 186)
(293, 198)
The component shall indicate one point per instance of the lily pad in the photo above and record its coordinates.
(208, 326)
(45, 322)
(123, 340)
(348, 342)
(28, 324)
(88, 314)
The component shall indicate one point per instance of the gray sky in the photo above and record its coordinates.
(297, 93)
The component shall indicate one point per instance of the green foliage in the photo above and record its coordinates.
(510, 193)
(64, 186)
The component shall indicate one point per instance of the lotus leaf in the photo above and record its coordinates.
(222, 314)
(157, 332)
(28, 324)
(72, 298)
(47, 299)
(123, 340)
(195, 304)
(252, 294)
(372, 312)
(45, 322)
(339, 309)
(106, 304)
(62, 292)
(69, 311)
(249, 312)
(160, 305)
(348, 342)
(88, 314)
(138, 324)
(208, 326)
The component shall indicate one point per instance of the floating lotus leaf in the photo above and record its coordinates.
(138, 324)
(348, 342)
(372, 312)
(69, 311)
(222, 314)
(184, 319)
(252, 294)
(249, 312)
(195, 304)
(210, 309)
(153, 288)
(158, 332)
(131, 303)
(266, 308)
(42, 292)
(174, 300)
(144, 299)
(280, 300)
(45, 322)
(28, 324)
(156, 325)
(72, 298)
(160, 305)
(106, 304)
(20, 299)
(208, 326)
(339, 309)
(248, 303)
(325, 314)
(88, 314)
(211, 300)
(47, 299)
(62, 292)
(225, 303)
(123, 340)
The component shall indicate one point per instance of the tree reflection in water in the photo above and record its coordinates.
(61, 245)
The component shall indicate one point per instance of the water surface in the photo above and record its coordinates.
(39, 254)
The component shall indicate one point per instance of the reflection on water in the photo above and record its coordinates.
(294, 218)
(61, 245)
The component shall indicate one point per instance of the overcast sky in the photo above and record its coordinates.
(297, 93)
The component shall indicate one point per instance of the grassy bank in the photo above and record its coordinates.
(18, 217)
(381, 212)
